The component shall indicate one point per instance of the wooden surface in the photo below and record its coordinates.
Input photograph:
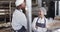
(54, 25)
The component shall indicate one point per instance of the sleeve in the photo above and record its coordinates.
(25, 22)
(34, 24)
(15, 22)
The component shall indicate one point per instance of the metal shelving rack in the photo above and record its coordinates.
(6, 13)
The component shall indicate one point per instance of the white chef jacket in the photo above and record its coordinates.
(19, 20)
(40, 29)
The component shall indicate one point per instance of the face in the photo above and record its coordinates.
(22, 6)
(41, 13)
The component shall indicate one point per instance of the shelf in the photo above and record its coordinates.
(5, 10)
(1, 7)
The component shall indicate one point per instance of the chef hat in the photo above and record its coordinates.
(19, 2)
(43, 9)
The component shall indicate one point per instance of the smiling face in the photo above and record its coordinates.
(41, 13)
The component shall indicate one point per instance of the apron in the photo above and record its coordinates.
(21, 30)
(41, 25)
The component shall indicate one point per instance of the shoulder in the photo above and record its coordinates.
(46, 19)
(16, 12)
(36, 18)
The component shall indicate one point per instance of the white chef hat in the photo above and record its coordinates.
(44, 10)
(19, 2)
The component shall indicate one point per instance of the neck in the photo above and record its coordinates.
(41, 17)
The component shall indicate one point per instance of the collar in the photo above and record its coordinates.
(42, 18)
(19, 10)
